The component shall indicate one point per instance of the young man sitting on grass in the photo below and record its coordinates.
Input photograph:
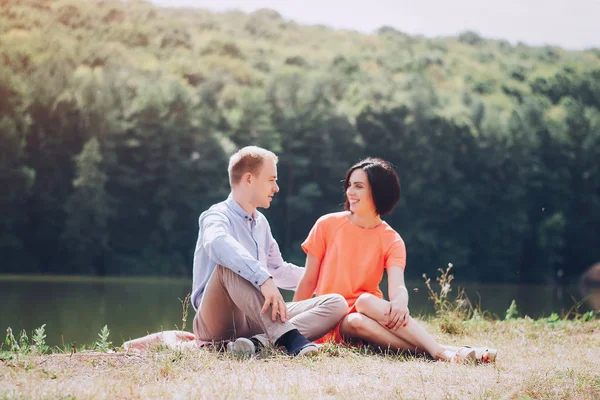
(238, 269)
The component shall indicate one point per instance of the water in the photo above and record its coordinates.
(76, 309)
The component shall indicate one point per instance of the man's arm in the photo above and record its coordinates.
(223, 249)
(286, 275)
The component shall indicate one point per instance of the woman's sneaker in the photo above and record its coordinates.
(485, 355)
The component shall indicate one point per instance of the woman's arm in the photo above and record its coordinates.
(398, 312)
(308, 283)
(396, 286)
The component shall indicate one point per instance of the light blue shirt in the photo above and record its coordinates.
(241, 242)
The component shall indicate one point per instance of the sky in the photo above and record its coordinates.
(573, 24)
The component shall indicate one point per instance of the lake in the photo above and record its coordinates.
(75, 309)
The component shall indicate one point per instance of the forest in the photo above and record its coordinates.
(117, 120)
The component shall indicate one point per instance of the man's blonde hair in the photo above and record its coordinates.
(247, 159)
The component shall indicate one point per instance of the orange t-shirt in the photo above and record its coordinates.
(353, 258)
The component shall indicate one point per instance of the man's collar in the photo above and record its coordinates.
(239, 210)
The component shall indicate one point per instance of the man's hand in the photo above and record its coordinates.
(273, 298)
(397, 314)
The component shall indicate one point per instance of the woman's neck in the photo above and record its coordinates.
(365, 221)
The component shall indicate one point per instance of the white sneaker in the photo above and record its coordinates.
(308, 350)
(241, 346)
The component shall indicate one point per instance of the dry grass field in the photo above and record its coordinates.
(537, 359)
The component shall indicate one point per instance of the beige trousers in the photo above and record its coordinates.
(231, 308)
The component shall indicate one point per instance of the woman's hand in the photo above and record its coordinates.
(397, 314)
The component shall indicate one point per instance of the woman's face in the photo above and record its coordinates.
(359, 194)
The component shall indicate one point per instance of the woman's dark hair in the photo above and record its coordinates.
(385, 185)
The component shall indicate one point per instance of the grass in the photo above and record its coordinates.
(551, 358)
(537, 359)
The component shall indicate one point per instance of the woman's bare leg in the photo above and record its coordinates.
(413, 333)
(359, 326)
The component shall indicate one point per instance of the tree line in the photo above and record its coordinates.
(116, 128)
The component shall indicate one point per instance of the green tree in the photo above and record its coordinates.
(496, 145)
(317, 146)
(164, 168)
(85, 236)
(16, 178)
(54, 137)
(582, 206)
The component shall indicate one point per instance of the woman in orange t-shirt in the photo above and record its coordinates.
(347, 253)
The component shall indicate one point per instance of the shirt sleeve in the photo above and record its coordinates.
(286, 275)
(315, 242)
(396, 253)
(223, 249)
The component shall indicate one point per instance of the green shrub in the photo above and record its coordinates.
(512, 312)
(103, 344)
(39, 339)
(451, 314)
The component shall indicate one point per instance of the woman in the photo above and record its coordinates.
(347, 253)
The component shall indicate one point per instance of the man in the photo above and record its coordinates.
(238, 268)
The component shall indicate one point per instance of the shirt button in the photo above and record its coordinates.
(256, 282)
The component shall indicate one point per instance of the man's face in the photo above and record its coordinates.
(264, 186)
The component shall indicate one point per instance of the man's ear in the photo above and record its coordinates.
(247, 178)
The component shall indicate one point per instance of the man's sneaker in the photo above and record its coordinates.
(241, 346)
(295, 344)
(309, 350)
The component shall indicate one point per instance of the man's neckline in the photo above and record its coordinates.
(237, 208)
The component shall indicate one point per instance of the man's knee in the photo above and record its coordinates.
(333, 304)
(338, 305)
(225, 273)
(219, 269)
